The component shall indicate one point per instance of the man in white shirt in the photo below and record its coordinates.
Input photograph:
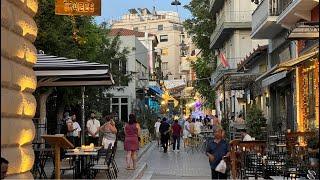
(245, 136)
(93, 126)
(76, 131)
(156, 127)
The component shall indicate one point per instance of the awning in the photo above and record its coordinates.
(304, 30)
(177, 83)
(156, 90)
(287, 65)
(235, 80)
(61, 71)
(273, 78)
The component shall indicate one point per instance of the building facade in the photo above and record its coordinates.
(231, 37)
(167, 27)
(293, 65)
(18, 81)
(130, 97)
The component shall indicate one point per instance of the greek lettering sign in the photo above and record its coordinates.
(78, 7)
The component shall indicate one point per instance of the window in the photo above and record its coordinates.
(164, 65)
(160, 27)
(120, 107)
(136, 29)
(163, 38)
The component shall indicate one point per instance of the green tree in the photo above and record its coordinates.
(200, 27)
(81, 38)
(255, 120)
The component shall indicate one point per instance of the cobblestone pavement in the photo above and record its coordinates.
(171, 165)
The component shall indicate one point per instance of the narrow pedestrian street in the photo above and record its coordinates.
(175, 165)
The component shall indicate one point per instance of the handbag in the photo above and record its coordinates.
(221, 167)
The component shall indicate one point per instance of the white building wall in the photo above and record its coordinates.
(150, 24)
(137, 53)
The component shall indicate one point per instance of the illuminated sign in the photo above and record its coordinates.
(78, 7)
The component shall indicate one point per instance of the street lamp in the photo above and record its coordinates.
(175, 3)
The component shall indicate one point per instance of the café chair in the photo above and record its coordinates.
(106, 166)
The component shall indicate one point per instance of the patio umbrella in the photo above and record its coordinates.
(53, 71)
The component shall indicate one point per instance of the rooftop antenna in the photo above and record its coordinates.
(154, 8)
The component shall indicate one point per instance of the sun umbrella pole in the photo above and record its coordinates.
(82, 117)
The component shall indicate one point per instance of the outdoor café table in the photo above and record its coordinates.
(81, 159)
(41, 157)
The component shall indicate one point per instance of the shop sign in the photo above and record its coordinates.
(78, 7)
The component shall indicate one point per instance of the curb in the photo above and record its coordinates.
(140, 171)
(144, 150)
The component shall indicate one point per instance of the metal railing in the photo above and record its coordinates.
(233, 16)
(265, 9)
(230, 17)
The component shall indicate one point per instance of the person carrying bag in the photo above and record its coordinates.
(217, 150)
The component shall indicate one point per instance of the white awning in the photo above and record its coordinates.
(61, 71)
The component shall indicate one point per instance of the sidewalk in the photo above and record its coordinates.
(129, 174)
(120, 160)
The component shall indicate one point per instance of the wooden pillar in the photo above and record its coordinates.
(57, 164)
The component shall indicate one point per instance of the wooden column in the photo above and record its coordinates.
(57, 163)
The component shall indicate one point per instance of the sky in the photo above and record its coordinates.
(114, 9)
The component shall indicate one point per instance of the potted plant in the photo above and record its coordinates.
(255, 120)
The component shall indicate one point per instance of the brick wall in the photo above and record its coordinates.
(18, 81)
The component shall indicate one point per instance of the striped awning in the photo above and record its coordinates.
(61, 71)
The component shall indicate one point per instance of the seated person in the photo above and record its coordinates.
(245, 136)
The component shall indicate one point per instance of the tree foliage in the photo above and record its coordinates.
(203, 71)
(200, 27)
(81, 38)
(254, 121)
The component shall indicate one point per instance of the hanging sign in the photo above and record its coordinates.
(78, 7)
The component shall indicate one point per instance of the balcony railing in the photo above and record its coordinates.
(224, 19)
(265, 9)
(185, 66)
(233, 16)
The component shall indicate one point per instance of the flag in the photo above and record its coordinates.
(223, 60)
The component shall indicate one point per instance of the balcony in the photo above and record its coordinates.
(215, 5)
(226, 22)
(264, 19)
(185, 65)
(294, 10)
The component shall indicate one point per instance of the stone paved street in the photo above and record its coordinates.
(176, 165)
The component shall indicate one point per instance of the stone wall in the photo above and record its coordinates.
(18, 81)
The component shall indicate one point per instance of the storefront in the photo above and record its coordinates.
(307, 83)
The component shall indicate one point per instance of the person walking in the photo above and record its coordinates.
(109, 131)
(186, 132)
(76, 131)
(132, 132)
(215, 123)
(217, 150)
(164, 130)
(176, 135)
(93, 126)
(156, 130)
